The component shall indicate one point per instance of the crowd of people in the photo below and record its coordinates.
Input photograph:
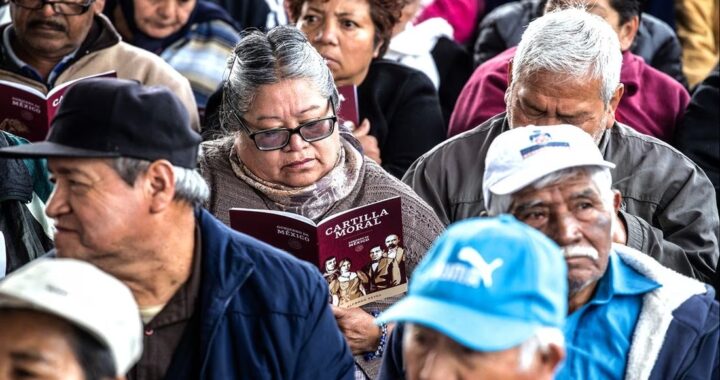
(557, 164)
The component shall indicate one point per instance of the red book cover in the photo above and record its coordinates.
(348, 104)
(27, 112)
(360, 252)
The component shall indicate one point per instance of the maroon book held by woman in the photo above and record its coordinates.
(360, 252)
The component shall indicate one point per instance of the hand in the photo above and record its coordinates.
(368, 141)
(619, 231)
(359, 329)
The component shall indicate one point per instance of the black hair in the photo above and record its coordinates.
(626, 9)
(94, 358)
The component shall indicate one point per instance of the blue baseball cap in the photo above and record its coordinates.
(488, 284)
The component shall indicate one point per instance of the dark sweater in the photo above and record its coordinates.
(404, 113)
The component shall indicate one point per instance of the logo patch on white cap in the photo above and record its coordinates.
(541, 140)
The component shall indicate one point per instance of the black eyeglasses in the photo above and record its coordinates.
(278, 138)
(67, 8)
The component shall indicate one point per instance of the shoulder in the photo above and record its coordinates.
(630, 144)
(675, 288)
(391, 74)
(465, 149)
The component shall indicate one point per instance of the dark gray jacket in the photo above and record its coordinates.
(668, 202)
(502, 28)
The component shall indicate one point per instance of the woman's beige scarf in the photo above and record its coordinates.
(312, 201)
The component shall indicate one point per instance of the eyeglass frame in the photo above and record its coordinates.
(292, 131)
(84, 6)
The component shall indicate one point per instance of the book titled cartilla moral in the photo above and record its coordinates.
(360, 252)
(27, 112)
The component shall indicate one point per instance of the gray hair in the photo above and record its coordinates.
(541, 341)
(190, 186)
(261, 59)
(573, 43)
(599, 176)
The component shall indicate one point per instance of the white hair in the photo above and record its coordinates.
(572, 43)
(599, 176)
(190, 186)
(541, 341)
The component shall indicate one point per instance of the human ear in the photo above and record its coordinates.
(160, 185)
(613, 104)
(97, 6)
(627, 33)
(550, 361)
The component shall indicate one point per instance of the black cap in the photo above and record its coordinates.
(105, 118)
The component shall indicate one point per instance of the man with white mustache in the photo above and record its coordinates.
(629, 316)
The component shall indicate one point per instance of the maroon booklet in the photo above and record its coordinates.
(27, 112)
(348, 104)
(360, 252)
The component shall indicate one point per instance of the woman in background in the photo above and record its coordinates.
(399, 106)
(194, 36)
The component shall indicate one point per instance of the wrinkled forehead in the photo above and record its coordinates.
(559, 191)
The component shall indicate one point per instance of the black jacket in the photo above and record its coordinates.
(699, 135)
(404, 113)
(502, 28)
(454, 65)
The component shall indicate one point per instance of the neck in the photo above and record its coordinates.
(42, 63)
(581, 297)
(154, 274)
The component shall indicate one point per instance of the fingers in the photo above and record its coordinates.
(363, 129)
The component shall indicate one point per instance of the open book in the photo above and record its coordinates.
(360, 252)
(27, 112)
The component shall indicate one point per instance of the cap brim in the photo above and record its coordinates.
(471, 328)
(51, 149)
(530, 174)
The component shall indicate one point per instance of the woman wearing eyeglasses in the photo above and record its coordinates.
(193, 36)
(287, 152)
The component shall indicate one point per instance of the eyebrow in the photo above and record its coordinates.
(528, 205)
(33, 356)
(304, 111)
(587, 193)
(68, 171)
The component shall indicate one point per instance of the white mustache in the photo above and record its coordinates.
(580, 251)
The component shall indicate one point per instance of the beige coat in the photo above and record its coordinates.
(128, 62)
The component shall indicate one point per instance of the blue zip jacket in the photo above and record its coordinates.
(263, 315)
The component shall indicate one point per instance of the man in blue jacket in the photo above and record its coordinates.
(215, 304)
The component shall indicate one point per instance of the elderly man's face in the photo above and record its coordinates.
(34, 345)
(429, 354)
(42, 33)
(96, 213)
(572, 214)
(392, 241)
(551, 99)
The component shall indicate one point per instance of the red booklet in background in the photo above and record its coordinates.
(27, 112)
(348, 104)
(360, 252)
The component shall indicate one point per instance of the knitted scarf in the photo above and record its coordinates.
(312, 201)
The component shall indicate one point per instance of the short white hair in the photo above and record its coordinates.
(572, 43)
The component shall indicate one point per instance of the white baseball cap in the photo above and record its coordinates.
(521, 156)
(83, 295)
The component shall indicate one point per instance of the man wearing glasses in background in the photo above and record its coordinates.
(52, 42)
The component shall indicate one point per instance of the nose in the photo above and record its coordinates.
(327, 33)
(296, 143)
(47, 10)
(567, 230)
(167, 8)
(57, 204)
(437, 366)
